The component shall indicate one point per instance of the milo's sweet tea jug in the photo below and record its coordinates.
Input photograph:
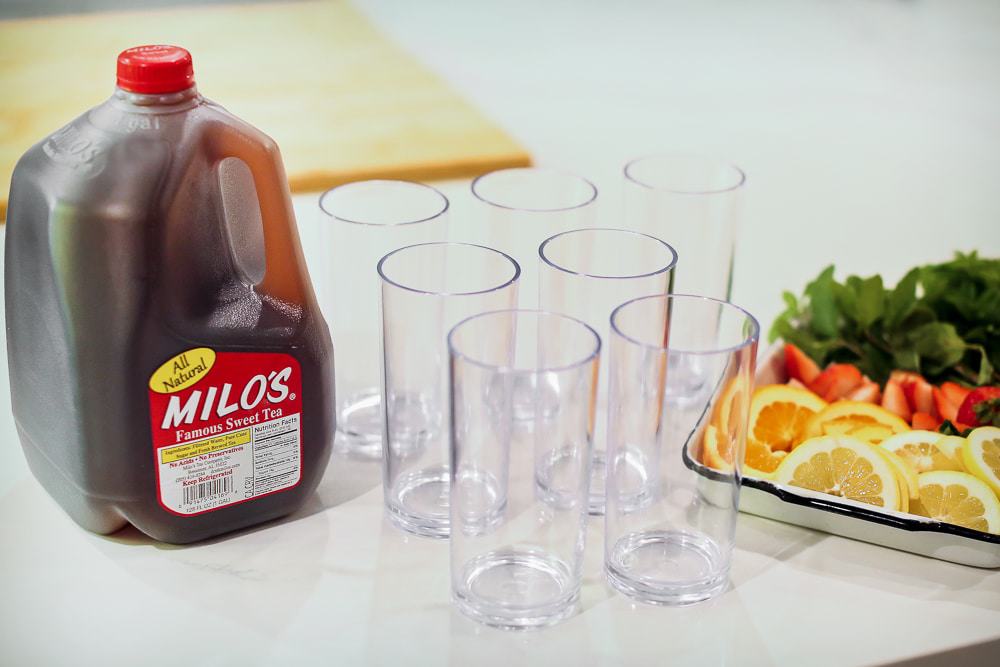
(169, 366)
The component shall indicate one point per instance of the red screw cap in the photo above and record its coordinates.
(155, 69)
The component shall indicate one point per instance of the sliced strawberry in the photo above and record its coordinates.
(836, 381)
(981, 407)
(866, 392)
(799, 366)
(945, 407)
(919, 395)
(925, 422)
(902, 377)
(955, 392)
(894, 400)
(795, 383)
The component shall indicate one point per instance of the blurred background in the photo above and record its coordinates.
(869, 129)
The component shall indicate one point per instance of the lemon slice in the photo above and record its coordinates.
(951, 445)
(958, 498)
(842, 466)
(981, 455)
(906, 475)
(925, 451)
(873, 422)
(873, 434)
(779, 414)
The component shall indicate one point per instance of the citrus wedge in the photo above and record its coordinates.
(716, 452)
(905, 473)
(872, 422)
(760, 461)
(951, 445)
(842, 466)
(981, 455)
(779, 414)
(733, 400)
(924, 451)
(958, 498)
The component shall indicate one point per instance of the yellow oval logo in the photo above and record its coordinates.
(182, 371)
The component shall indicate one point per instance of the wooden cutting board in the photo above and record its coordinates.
(342, 101)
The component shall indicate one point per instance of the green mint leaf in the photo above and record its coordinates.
(984, 374)
(821, 302)
(871, 301)
(906, 359)
(787, 319)
(846, 298)
(988, 412)
(901, 299)
(947, 428)
(938, 344)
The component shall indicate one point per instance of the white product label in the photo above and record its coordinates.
(232, 467)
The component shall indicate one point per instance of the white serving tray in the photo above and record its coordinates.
(847, 518)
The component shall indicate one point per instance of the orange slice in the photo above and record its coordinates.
(760, 461)
(779, 414)
(716, 452)
(842, 466)
(865, 421)
(733, 400)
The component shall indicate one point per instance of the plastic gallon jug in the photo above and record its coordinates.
(169, 366)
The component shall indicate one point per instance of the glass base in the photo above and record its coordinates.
(359, 425)
(415, 423)
(557, 470)
(516, 590)
(418, 502)
(667, 567)
(481, 501)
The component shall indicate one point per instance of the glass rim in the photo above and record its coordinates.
(383, 181)
(669, 267)
(741, 177)
(589, 200)
(510, 281)
(513, 370)
(750, 339)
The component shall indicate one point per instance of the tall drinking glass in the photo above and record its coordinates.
(426, 290)
(587, 273)
(676, 547)
(517, 558)
(694, 201)
(361, 222)
(521, 207)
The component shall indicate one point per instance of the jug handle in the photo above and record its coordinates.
(284, 274)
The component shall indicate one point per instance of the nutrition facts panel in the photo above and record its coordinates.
(231, 467)
(276, 461)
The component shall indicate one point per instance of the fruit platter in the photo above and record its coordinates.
(861, 426)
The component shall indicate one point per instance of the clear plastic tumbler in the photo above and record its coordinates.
(675, 547)
(426, 290)
(587, 273)
(361, 222)
(521, 207)
(516, 557)
(695, 202)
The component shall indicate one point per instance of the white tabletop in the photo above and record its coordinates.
(870, 132)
